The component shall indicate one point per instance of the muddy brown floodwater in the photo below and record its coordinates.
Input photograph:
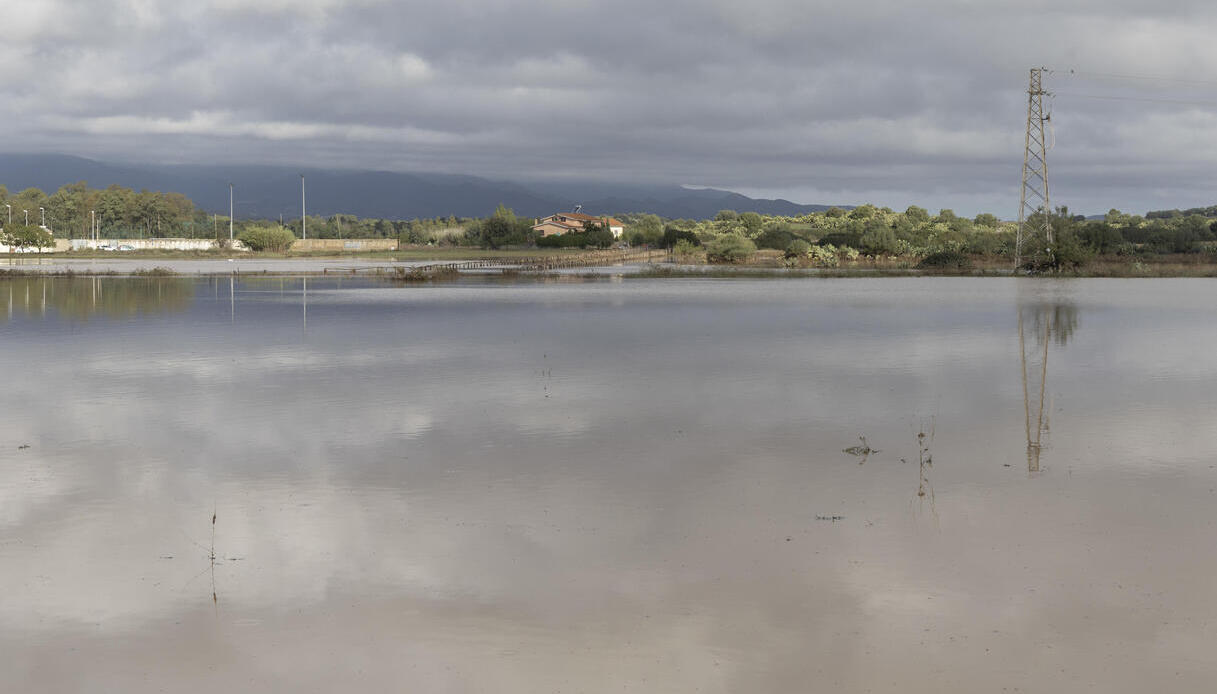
(599, 485)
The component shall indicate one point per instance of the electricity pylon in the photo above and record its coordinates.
(1034, 197)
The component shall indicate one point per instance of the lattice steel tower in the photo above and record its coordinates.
(1034, 197)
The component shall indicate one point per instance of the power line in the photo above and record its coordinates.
(1197, 102)
(1147, 78)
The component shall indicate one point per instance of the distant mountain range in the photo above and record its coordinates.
(268, 191)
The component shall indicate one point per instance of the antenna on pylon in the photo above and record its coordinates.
(1034, 196)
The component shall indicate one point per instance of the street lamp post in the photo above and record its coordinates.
(230, 212)
(93, 214)
(303, 214)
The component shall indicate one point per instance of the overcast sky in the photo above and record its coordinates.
(886, 101)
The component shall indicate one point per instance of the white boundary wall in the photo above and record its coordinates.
(149, 244)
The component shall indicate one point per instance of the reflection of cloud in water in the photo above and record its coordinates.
(408, 502)
(508, 576)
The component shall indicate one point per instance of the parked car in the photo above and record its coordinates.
(126, 247)
(105, 247)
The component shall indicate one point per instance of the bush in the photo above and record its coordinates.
(28, 236)
(673, 235)
(946, 260)
(1180, 240)
(751, 221)
(862, 212)
(917, 215)
(879, 241)
(503, 228)
(985, 219)
(777, 238)
(685, 251)
(730, 248)
(267, 238)
(798, 249)
(824, 256)
(986, 243)
(646, 230)
(644, 237)
(841, 238)
(1101, 237)
(1067, 253)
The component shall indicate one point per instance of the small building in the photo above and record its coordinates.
(573, 221)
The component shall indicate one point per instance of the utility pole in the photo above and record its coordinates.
(230, 211)
(1034, 196)
(303, 214)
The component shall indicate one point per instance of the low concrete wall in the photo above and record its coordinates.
(149, 244)
(337, 245)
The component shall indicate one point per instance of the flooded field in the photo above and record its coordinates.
(605, 485)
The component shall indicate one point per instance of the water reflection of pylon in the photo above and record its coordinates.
(1034, 442)
(1059, 321)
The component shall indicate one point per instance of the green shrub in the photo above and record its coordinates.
(503, 228)
(1066, 253)
(824, 256)
(673, 235)
(946, 260)
(730, 248)
(798, 248)
(267, 238)
(685, 250)
(879, 241)
(28, 236)
(777, 238)
(862, 212)
(1101, 237)
(917, 215)
(986, 243)
(985, 219)
(841, 238)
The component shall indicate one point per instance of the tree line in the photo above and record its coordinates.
(124, 213)
(919, 237)
(119, 212)
(834, 235)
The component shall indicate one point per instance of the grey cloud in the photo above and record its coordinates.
(920, 103)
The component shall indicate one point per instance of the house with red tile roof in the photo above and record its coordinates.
(563, 222)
